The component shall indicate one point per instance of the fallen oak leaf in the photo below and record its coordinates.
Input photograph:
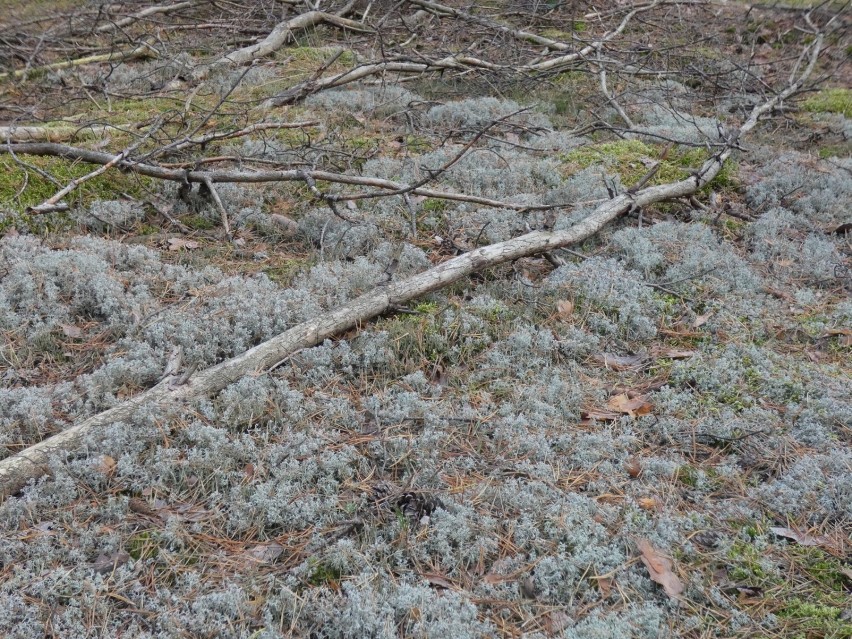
(659, 568)
(634, 407)
(620, 362)
(564, 308)
(178, 243)
(803, 538)
(437, 579)
(264, 553)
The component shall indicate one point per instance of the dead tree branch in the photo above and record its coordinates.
(16, 470)
(144, 50)
(254, 177)
(142, 14)
(60, 133)
(283, 34)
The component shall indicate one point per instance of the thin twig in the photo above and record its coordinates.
(221, 207)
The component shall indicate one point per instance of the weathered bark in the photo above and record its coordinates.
(282, 34)
(59, 133)
(142, 14)
(290, 175)
(144, 50)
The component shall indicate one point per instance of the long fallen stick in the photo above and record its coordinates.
(246, 177)
(144, 50)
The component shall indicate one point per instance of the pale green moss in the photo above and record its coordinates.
(21, 187)
(831, 101)
(632, 159)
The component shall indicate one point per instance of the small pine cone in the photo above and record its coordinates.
(415, 505)
(382, 492)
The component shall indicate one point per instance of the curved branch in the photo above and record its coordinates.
(283, 34)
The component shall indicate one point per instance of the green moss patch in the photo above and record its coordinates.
(632, 159)
(831, 101)
(22, 187)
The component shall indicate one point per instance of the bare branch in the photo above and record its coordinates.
(144, 50)
(142, 14)
(283, 34)
(255, 177)
(59, 133)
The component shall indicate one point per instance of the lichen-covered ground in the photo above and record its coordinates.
(492, 460)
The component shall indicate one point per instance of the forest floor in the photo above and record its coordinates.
(646, 435)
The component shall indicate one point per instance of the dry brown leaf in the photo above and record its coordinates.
(649, 503)
(805, 539)
(264, 553)
(631, 406)
(564, 308)
(137, 505)
(557, 621)
(604, 585)
(492, 578)
(660, 568)
(284, 224)
(633, 467)
(178, 243)
(107, 563)
(528, 589)
(106, 465)
(437, 579)
(70, 330)
(190, 512)
(701, 320)
(249, 471)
